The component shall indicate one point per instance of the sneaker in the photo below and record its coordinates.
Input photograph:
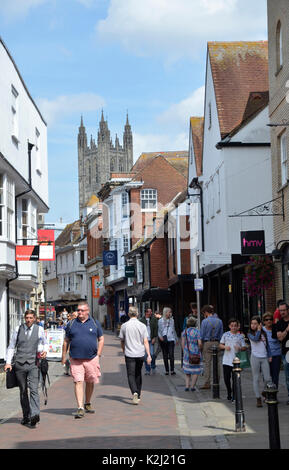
(79, 413)
(88, 408)
(167, 373)
(135, 399)
(25, 421)
(34, 420)
(173, 373)
(193, 389)
(187, 389)
(153, 372)
(147, 372)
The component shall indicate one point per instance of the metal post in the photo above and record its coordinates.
(273, 418)
(216, 387)
(239, 411)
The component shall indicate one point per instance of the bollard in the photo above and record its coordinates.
(216, 387)
(239, 411)
(270, 392)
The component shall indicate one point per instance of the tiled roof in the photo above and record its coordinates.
(238, 68)
(179, 160)
(197, 129)
(65, 238)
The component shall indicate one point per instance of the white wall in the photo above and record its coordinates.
(29, 119)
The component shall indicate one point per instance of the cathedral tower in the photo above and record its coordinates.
(97, 162)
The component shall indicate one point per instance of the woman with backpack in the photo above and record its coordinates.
(260, 355)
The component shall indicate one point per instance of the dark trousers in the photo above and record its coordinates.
(168, 350)
(275, 369)
(133, 369)
(228, 379)
(28, 377)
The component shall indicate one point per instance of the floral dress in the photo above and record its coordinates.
(193, 335)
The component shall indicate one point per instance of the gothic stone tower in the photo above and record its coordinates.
(96, 162)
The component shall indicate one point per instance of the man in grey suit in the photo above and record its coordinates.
(28, 344)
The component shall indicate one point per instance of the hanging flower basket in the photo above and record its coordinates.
(259, 275)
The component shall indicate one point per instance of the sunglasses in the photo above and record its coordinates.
(268, 319)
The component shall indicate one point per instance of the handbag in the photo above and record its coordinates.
(193, 358)
(165, 337)
(11, 379)
(244, 359)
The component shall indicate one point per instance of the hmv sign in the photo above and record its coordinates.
(253, 242)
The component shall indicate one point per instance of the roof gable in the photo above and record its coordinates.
(238, 69)
(178, 159)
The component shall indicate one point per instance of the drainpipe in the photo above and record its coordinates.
(30, 147)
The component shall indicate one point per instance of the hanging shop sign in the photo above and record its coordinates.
(96, 285)
(253, 242)
(46, 245)
(27, 252)
(109, 257)
(129, 271)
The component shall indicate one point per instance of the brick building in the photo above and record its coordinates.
(278, 42)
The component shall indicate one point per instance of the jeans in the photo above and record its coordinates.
(228, 379)
(286, 371)
(168, 350)
(152, 365)
(28, 376)
(275, 369)
(133, 368)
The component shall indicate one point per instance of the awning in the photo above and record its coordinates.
(158, 294)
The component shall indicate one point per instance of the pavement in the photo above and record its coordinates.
(167, 417)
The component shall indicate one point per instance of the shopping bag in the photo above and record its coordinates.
(244, 359)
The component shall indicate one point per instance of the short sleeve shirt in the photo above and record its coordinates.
(133, 333)
(229, 339)
(83, 338)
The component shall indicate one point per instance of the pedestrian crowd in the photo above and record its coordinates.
(142, 339)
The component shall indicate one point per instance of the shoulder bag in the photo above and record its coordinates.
(193, 358)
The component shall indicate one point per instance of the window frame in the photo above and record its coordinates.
(148, 192)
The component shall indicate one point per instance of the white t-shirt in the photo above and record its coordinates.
(229, 339)
(133, 332)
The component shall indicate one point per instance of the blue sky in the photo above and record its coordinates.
(148, 57)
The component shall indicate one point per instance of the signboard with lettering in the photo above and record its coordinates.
(46, 245)
(109, 257)
(253, 242)
(27, 252)
(129, 271)
(199, 284)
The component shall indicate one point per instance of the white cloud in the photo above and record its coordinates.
(53, 110)
(12, 9)
(178, 114)
(159, 143)
(176, 28)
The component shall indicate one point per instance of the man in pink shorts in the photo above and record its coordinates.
(84, 337)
